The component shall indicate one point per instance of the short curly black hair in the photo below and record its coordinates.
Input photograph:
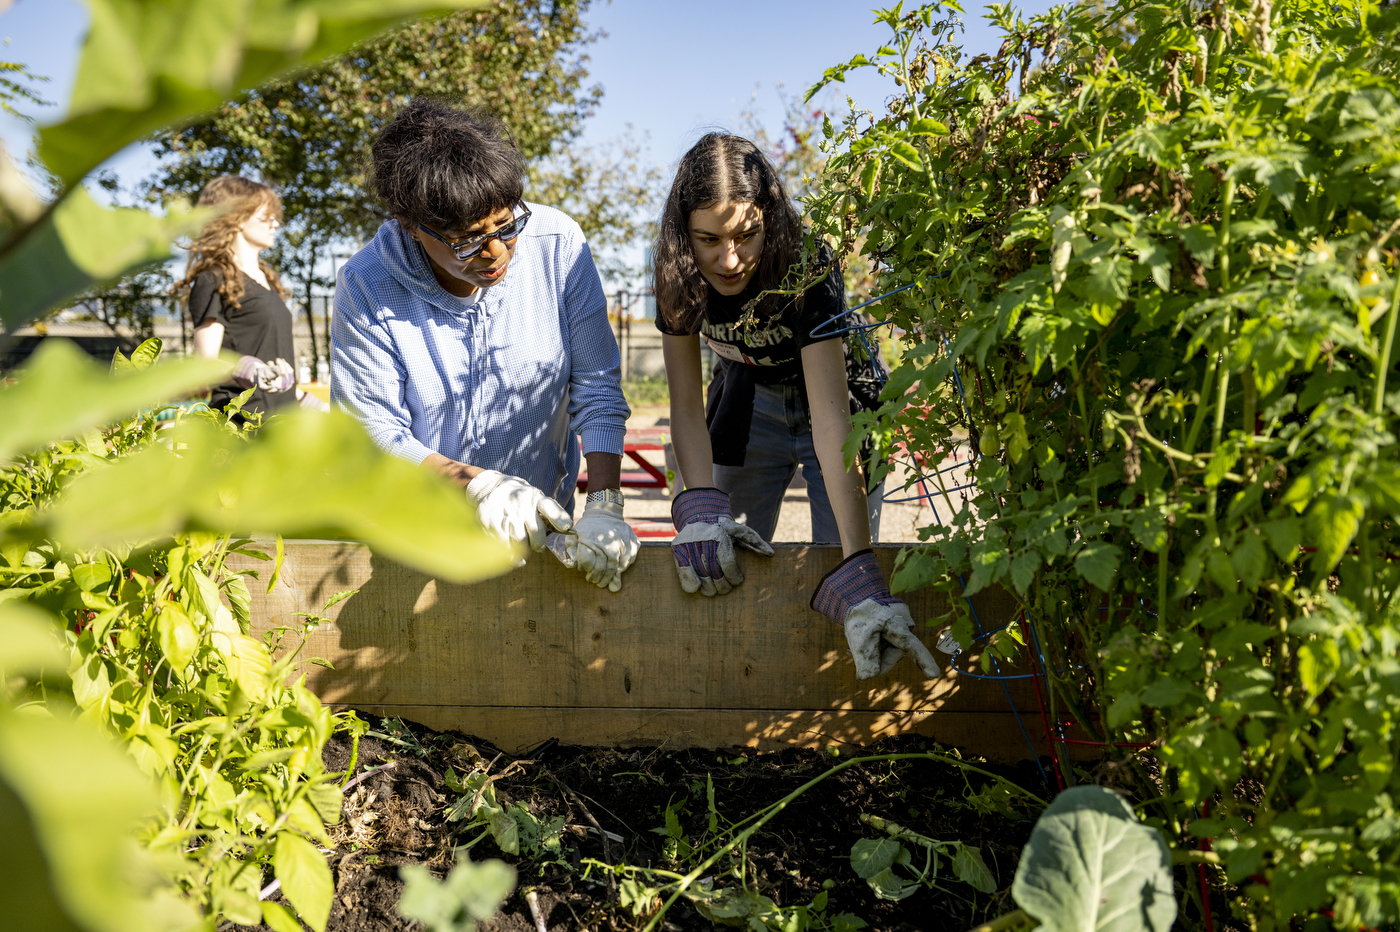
(446, 167)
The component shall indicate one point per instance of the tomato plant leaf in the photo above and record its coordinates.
(1023, 570)
(1333, 521)
(907, 154)
(1097, 562)
(306, 879)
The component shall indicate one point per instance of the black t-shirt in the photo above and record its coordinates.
(260, 326)
(773, 347)
(770, 353)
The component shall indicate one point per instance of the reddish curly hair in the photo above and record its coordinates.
(214, 247)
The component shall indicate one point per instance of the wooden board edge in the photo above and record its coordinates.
(996, 736)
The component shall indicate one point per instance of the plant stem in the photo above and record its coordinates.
(1379, 401)
(1207, 384)
(1251, 400)
(766, 815)
(1225, 210)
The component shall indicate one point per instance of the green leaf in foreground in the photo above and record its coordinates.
(304, 475)
(470, 893)
(149, 63)
(69, 860)
(80, 244)
(61, 393)
(306, 878)
(1091, 866)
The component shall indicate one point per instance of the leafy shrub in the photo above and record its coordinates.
(120, 531)
(156, 627)
(1162, 267)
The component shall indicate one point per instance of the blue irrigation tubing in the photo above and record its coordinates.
(817, 331)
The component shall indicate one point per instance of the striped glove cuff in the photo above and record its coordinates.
(854, 580)
(245, 373)
(706, 505)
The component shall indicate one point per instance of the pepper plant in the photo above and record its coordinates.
(156, 627)
(1151, 257)
(114, 530)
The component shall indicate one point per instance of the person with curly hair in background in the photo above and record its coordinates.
(236, 300)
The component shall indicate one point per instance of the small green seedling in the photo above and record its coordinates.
(876, 861)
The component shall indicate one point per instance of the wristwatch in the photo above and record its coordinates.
(611, 496)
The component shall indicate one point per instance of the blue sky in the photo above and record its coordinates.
(669, 68)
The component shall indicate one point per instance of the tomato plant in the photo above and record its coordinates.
(1151, 251)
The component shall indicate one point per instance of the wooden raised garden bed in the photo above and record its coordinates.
(539, 653)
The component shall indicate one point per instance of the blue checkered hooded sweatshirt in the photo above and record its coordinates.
(509, 379)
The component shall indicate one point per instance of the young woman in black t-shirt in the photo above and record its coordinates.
(780, 398)
(236, 299)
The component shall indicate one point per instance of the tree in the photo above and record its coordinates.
(131, 304)
(608, 190)
(17, 83)
(523, 61)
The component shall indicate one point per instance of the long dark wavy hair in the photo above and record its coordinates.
(722, 168)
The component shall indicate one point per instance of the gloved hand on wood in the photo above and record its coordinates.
(705, 539)
(879, 628)
(514, 511)
(601, 546)
(275, 376)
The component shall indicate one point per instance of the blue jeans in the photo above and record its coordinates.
(780, 440)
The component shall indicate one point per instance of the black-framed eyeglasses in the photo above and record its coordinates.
(470, 248)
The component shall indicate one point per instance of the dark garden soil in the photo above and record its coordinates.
(398, 816)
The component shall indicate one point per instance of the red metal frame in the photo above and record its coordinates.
(650, 476)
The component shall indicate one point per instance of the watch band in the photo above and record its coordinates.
(611, 496)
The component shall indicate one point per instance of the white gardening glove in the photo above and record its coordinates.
(879, 628)
(514, 511)
(601, 546)
(286, 375)
(704, 546)
(880, 634)
(274, 376)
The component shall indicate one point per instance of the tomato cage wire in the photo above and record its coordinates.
(848, 322)
(842, 324)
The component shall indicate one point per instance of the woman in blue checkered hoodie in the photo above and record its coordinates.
(471, 336)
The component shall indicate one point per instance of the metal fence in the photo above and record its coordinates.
(630, 314)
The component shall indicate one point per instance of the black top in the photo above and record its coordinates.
(770, 353)
(260, 326)
(773, 347)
